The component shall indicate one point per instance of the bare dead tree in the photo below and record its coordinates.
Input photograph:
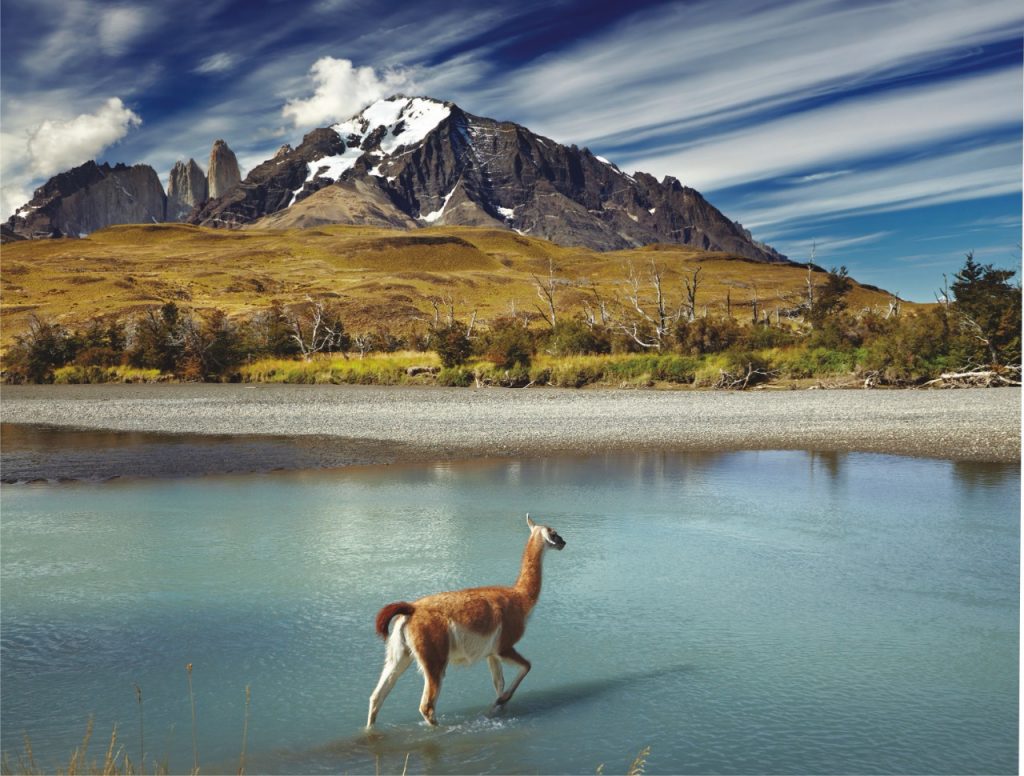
(895, 305)
(650, 327)
(942, 295)
(810, 277)
(316, 329)
(448, 304)
(598, 311)
(546, 292)
(691, 283)
(754, 301)
(364, 343)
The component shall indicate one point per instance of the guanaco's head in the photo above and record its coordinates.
(548, 534)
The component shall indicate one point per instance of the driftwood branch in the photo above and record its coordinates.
(978, 378)
(741, 380)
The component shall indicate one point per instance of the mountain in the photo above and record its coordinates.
(186, 188)
(429, 162)
(403, 162)
(223, 173)
(90, 197)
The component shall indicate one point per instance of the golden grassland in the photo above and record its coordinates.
(376, 276)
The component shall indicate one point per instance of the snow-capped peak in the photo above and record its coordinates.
(407, 120)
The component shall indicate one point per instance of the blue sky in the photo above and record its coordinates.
(886, 135)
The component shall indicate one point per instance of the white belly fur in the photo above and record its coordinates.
(466, 646)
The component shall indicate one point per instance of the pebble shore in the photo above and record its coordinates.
(289, 426)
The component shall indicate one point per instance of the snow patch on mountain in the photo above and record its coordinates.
(335, 166)
(433, 216)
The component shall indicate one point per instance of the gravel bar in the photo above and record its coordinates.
(345, 425)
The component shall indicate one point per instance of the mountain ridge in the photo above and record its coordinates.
(438, 164)
(417, 161)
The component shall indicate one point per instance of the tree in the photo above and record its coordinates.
(43, 348)
(988, 307)
(830, 298)
(211, 347)
(158, 339)
(316, 328)
(546, 292)
(269, 333)
(649, 323)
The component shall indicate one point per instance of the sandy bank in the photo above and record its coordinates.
(292, 426)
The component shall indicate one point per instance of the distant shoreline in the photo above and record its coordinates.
(194, 429)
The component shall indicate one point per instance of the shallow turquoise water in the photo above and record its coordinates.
(768, 612)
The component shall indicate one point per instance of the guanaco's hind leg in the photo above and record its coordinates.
(431, 688)
(429, 643)
(512, 656)
(395, 663)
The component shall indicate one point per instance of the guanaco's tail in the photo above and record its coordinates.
(391, 610)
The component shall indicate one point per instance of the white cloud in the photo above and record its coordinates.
(83, 28)
(57, 145)
(118, 27)
(341, 91)
(854, 129)
(687, 66)
(217, 63)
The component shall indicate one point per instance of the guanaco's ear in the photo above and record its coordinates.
(529, 522)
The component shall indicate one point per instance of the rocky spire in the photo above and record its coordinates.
(186, 188)
(223, 171)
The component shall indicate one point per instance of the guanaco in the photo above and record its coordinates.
(463, 627)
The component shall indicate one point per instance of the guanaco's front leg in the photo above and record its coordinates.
(512, 656)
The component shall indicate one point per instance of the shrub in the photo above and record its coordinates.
(812, 362)
(455, 377)
(576, 338)
(759, 337)
(743, 369)
(516, 376)
(706, 335)
(912, 351)
(451, 344)
(575, 373)
(507, 344)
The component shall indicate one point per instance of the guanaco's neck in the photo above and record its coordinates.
(528, 582)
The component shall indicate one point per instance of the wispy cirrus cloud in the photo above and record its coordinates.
(85, 30)
(941, 178)
(689, 66)
(217, 63)
(858, 128)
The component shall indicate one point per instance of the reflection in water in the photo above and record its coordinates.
(972, 475)
(832, 462)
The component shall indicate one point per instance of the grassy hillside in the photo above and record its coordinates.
(375, 275)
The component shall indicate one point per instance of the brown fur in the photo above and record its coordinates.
(385, 615)
(482, 610)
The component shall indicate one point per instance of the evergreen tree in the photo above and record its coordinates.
(989, 309)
